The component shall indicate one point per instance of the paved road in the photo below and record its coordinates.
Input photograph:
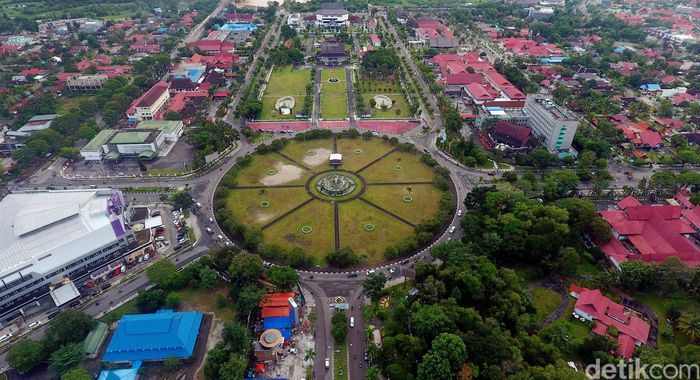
(350, 90)
(196, 33)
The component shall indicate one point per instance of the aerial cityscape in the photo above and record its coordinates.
(399, 189)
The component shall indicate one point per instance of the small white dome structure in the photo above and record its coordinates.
(382, 100)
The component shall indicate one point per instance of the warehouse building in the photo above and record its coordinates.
(51, 239)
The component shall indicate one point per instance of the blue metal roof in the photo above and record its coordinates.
(278, 322)
(121, 374)
(154, 336)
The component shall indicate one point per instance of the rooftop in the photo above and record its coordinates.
(139, 137)
(100, 139)
(154, 336)
(43, 230)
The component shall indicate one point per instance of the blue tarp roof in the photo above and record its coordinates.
(154, 336)
(278, 322)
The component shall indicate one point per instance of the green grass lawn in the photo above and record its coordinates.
(321, 148)
(287, 232)
(360, 152)
(67, 103)
(370, 244)
(256, 173)
(334, 100)
(399, 167)
(340, 362)
(245, 203)
(661, 305)
(204, 301)
(391, 88)
(422, 207)
(284, 81)
(546, 301)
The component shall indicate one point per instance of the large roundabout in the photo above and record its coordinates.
(382, 201)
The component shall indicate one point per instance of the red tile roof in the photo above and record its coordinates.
(152, 95)
(463, 78)
(33, 71)
(605, 312)
(478, 92)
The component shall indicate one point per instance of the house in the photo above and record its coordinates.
(375, 40)
(592, 305)
(649, 233)
(239, 18)
(651, 88)
(154, 337)
(332, 52)
(280, 312)
(211, 46)
(683, 98)
(147, 105)
(36, 123)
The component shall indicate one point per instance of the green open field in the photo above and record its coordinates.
(246, 203)
(422, 207)
(334, 99)
(105, 10)
(360, 152)
(284, 81)
(287, 232)
(391, 88)
(286, 172)
(284, 228)
(370, 244)
(545, 301)
(399, 167)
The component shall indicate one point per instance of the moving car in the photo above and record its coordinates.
(34, 324)
(352, 275)
(9, 335)
(352, 321)
(327, 361)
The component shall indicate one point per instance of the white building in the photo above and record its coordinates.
(147, 105)
(295, 21)
(553, 125)
(332, 15)
(146, 141)
(50, 237)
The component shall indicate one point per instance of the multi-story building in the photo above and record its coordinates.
(332, 15)
(147, 105)
(144, 142)
(50, 238)
(86, 83)
(553, 125)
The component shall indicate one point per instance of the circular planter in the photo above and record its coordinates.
(306, 229)
(271, 172)
(264, 204)
(357, 151)
(368, 227)
(310, 152)
(398, 168)
(407, 198)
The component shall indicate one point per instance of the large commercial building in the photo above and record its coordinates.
(144, 142)
(332, 15)
(36, 123)
(553, 125)
(51, 238)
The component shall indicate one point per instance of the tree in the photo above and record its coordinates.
(635, 275)
(245, 269)
(309, 355)
(68, 152)
(78, 373)
(207, 278)
(342, 258)
(163, 273)
(173, 300)
(248, 299)
(181, 199)
(430, 321)
(150, 301)
(66, 358)
(665, 108)
(235, 337)
(434, 367)
(541, 157)
(287, 32)
(171, 364)
(339, 327)
(69, 326)
(689, 325)
(26, 355)
(233, 368)
(452, 348)
(282, 276)
(373, 285)
(216, 357)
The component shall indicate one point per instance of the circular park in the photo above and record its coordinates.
(290, 203)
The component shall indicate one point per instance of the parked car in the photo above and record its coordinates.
(199, 205)
(350, 275)
(404, 262)
(34, 324)
(209, 230)
(9, 335)
(459, 212)
(371, 271)
(452, 229)
(327, 362)
(155, 213)
(221, 238)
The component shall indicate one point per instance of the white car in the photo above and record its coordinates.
(221, 238)
(209, 230)
(392, 270)
(327, 362)
(371, 271)
(459, 212)
(34, 324)
(452, 229)
(9, 335)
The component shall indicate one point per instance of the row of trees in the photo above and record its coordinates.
(61, 348)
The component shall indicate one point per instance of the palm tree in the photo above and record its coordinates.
(309, 355)
(409, 189)
(262, 192)
(689, 326)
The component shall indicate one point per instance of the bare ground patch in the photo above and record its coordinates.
(285, 174)
(321, 156)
